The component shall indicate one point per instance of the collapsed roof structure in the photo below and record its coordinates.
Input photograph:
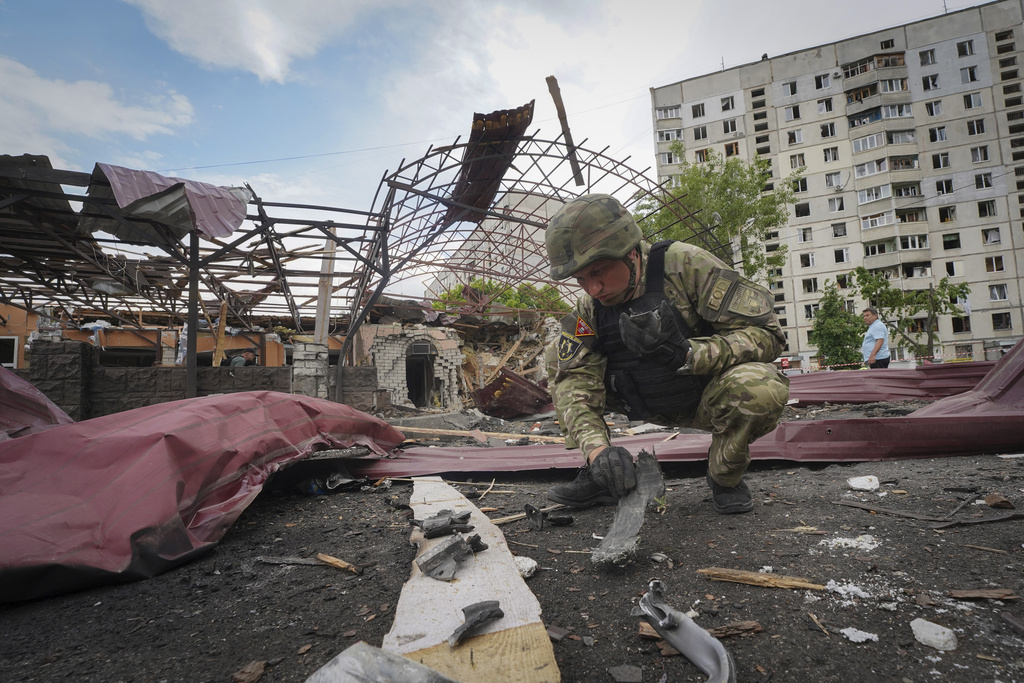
(127, 244)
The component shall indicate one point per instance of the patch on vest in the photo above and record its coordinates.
(749, 302)
(568, 346)
(583, 329)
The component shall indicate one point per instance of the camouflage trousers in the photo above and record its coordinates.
(738, 407)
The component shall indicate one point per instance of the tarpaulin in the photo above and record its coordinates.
(24, 409)
(130, 495)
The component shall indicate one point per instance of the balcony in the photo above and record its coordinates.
(861, 80)
(908, 202)
(858, 106)
(918, 282)
(881, 260)
(880, 233)
(906, 175)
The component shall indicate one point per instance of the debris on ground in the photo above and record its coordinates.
(621, 540)
(933, 635)
(477, 614)
(855, 635)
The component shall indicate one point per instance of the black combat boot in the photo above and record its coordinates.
(729, 501)
(582, 492)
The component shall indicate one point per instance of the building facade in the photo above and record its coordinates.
(911, 141)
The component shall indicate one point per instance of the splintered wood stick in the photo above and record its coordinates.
(340, 564)
(758, 579)
(461, 432)
(818, 623)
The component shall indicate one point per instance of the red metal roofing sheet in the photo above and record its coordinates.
(215, 211)
(987, 419)
(130, 495)
(24, 409)
(926, 382)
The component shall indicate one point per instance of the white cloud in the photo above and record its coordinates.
(41, 115)
(498, 55)
(262, 37)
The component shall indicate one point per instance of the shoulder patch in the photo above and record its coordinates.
(574, 325)
(750, 302)
(583, 329)
(568, 346)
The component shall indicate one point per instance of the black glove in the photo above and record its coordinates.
(613, 468)
(656, 335)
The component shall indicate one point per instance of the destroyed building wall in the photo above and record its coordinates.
(417, 365)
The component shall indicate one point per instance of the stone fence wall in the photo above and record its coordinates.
(69, 374)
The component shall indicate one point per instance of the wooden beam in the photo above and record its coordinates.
(423, 431)
(504, 360)
(758, 579)
(513, 648)
(218, 351)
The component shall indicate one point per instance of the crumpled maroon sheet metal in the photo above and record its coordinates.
(127, 496)
(925, 382)
(24, 409)
(987, 419)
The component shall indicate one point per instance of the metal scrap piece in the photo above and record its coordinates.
(442, 561)
(537, 517)
(682, 633)
(444, 523)
(534, 516)
(623, 536)
(477, 614)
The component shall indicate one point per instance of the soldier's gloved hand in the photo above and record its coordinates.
(613, 468)
(656, 335)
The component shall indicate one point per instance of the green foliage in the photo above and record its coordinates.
(836, 332)
(904, 308)
(733, 189)
(526, 296)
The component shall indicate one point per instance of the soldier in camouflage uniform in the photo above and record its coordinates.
(667, 333)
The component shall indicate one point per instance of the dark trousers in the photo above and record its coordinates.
(880, 363)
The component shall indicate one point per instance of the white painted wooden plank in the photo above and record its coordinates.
(429, 610)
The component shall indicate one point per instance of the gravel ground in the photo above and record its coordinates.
(244, 602)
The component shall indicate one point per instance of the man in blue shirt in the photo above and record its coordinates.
(875, 348)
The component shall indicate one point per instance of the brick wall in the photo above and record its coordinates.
(389, 354)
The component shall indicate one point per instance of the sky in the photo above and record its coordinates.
(313, 101)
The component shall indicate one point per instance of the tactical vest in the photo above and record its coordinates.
(644, 387)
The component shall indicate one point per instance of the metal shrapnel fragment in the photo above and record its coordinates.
(477, 614)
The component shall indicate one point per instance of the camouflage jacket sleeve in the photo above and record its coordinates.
(576, 381)
(740, 312)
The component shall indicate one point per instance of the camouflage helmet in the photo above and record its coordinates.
(587, 229)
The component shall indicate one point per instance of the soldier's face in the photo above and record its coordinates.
(606, 280)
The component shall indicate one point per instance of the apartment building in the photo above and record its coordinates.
(912, 145)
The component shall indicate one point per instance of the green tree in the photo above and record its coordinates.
(546, 299)
(836, 331)
(904, 308)
(729, 196)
